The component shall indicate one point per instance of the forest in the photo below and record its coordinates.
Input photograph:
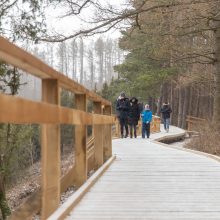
(167, 50)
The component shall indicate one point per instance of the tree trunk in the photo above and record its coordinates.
(81, 61)
(216, 117)
(5, 210)
(196, 103)
(180, 108)
(171, 101)
(159, 103)
(190, 100)
(185, 106)
(166, 92)
(199, 103)
(210, 103)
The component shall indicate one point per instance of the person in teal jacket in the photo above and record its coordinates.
(146, 116)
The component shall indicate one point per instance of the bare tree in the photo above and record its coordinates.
(91, 66)
(81, 54)
(74, 52)
(99, 47)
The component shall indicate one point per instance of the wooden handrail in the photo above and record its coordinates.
(19, 110)
(189, 117)
(16, 56)
(50, 115)
(32, 204)
(194, 122)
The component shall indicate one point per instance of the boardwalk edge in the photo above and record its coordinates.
(161, 139)
(73, 200)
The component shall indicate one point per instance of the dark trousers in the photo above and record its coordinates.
(145, 130)
(166, 122)
(131, 130)
(124, 124)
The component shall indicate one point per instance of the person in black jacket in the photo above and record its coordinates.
(122, 107)
(133, 116)
(166, 110)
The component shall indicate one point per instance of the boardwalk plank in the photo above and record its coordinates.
(151, 181)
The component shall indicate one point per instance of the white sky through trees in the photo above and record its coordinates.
(59, 23)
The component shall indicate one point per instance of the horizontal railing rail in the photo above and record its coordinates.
(14, 55)
(50, 115)
(193, 123)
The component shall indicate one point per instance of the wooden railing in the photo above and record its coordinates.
(50, 115)
(154, 127)
(193, 123)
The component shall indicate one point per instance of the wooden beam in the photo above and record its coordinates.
(90, 154)
(67, 180)
(98, 135)
(30, 207)
(117, 128)
(50, 153)
(18, 111)
(107, 136)
(33, 203)
(80, 144)
(16, 56)
(62, 212)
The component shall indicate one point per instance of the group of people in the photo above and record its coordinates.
(129, 112)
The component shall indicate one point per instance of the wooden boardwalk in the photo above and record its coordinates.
(155, 182)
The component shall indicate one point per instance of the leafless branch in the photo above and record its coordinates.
(125, 14)
(4, 9)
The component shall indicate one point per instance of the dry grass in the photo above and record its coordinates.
(208, 139)
(18, 192)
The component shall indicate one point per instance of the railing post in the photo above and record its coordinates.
(80, 144)
(139, 127)
(107, 136)
(50, 153)
(98, 135)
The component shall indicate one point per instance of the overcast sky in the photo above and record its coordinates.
(68, 25)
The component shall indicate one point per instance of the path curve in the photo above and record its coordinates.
(150, 181)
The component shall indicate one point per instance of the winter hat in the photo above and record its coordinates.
(122, 94)
(147, 107)
(133, 100)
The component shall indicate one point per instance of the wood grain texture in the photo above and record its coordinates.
(50, 153)
(74, 199)
(107, 136)
(91, 154)
(80, 144)
(30, 207)
(151, 181)
(18, 111)
(50, 115)
(98, 135)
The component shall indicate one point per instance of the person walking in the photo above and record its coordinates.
(133, 116)
(122, 107)
(166, 110)
(146, 116)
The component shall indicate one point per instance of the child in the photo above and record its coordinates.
(146, 116)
